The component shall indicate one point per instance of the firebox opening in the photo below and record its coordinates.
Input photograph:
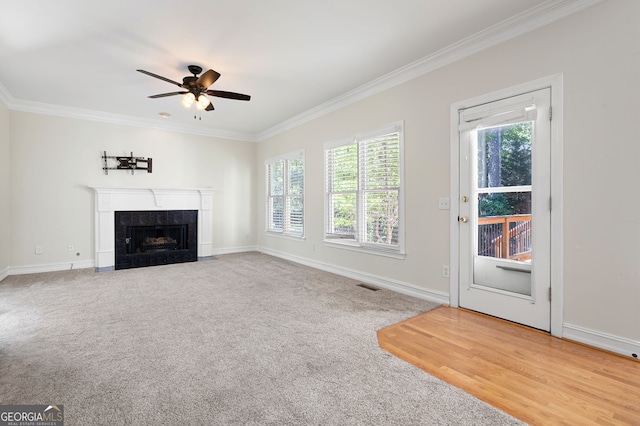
(146, 239)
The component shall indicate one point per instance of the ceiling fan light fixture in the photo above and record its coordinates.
(203, 102)
(187, 100)
(195, 88)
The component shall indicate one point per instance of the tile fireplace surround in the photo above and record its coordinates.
(110, 200)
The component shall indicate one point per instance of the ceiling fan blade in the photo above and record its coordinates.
(228, 95)
(208, 78)
(160, 77)
(209, 107)
(162, 95)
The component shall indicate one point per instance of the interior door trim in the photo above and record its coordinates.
(555, 83)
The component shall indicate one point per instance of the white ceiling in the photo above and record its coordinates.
(80, 57)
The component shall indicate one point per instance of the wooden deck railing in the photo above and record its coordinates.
(491, 236)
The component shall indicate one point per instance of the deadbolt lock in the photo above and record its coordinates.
(465, 199)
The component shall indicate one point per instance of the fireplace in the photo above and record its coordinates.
(148, 238)
(152, 207)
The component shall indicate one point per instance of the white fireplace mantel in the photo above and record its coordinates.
(109, 200)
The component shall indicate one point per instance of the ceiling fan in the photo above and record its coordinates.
(196, 87)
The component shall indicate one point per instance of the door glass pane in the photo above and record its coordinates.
(503, 217)
(504, 155)
(504, 225)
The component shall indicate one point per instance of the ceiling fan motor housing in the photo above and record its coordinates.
(189, 80)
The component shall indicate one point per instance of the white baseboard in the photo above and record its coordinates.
(598, 339)
(53, 267)
(50, 267)
(378, 281)
(232, 250)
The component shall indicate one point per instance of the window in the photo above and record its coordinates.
(285, 194)
(363, 191)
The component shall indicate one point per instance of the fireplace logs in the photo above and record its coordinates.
(158, 244)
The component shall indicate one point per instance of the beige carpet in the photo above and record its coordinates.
(242, 339)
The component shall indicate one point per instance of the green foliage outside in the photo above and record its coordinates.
(504, 159)
(295, 195)
(382, 185)
(287, 204)
(370, 171)
(343, 191)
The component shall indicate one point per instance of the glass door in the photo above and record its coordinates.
(504, 209)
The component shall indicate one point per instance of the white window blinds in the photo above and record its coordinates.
(275, 196)
(363, 185)
(380, 188)
(295, 196)
(285, 194)
(342, 190)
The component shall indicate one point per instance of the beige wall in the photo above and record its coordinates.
(598, 53)
(5, 190)
(54, 159)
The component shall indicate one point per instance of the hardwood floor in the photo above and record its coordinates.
(534, 377)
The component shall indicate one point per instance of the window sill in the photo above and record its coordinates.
(285, 236)
(395, 254)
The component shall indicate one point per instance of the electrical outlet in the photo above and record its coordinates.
(39, 250)
(443, 204)
(445, 271)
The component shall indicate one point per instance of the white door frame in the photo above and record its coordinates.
(554, 82)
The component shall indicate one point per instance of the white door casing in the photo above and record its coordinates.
(547, 267)
(500, 209)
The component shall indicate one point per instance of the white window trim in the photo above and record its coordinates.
(397, 252)
(284, 233)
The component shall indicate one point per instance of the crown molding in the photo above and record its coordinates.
(532, 19)
(105, 117)
(5, 96)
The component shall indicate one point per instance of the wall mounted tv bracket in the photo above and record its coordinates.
(126, 163)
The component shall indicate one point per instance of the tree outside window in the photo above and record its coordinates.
(363, 191)
(504, 159)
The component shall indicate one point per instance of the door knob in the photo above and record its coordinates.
(463, 219)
